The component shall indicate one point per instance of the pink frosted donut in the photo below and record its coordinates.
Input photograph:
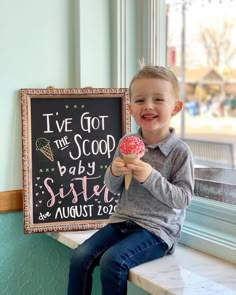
(132, 145)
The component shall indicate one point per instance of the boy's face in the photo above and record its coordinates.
(153, 104)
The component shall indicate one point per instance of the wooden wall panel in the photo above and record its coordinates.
(11, 201)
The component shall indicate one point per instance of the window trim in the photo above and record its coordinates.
(210, 227)
(138, 32)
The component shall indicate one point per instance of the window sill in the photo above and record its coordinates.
(210, 227)
(197, 273)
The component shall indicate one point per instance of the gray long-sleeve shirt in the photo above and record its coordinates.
(159, 203)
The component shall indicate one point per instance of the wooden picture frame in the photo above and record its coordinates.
(69, 137)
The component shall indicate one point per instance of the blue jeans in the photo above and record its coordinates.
(116, 248)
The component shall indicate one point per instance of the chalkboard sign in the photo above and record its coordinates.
(69, 139)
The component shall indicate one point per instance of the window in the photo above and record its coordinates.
(201, 50)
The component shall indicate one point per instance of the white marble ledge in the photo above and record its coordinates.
(186, 272)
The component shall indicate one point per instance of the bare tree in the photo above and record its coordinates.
(217, 44)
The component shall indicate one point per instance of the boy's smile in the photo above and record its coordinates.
(149, 116)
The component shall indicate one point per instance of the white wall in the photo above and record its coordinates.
(35, 52)
(64, 43)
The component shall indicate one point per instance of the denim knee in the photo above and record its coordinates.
(111, 262)
(80, 256)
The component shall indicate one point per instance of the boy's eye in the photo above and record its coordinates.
(138, 100)
(158, 99)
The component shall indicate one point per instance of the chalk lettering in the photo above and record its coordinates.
(44, 216)
(106, 210)
(74, 212)
(64, 125)
(62, 143)
(73, 193)
(79, 169)
(88, 122)
(48, 130)
(94, 147)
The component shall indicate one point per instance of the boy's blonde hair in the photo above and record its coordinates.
(157, 72)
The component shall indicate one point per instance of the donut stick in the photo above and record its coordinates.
(131, 147)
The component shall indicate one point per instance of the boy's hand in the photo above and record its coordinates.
(119, 167)
(139, 169)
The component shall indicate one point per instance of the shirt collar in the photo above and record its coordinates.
(166, 145)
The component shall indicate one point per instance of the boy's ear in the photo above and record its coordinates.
(178, 107)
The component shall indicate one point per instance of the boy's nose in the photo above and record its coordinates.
(148, 104)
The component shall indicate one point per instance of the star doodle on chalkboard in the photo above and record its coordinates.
(47, 170)
(103, 167)
(66, 106)
(40, 170)
(52, 169)
(75, 106)
(82, 106)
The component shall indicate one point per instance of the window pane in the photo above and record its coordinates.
(201, 50)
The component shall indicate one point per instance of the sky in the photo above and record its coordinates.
(199, 14)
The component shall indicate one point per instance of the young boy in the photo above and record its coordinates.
(147, 222)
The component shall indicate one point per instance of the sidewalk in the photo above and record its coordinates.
(221, 129)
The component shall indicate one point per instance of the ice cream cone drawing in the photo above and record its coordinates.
(131, 147)
(43, 145)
